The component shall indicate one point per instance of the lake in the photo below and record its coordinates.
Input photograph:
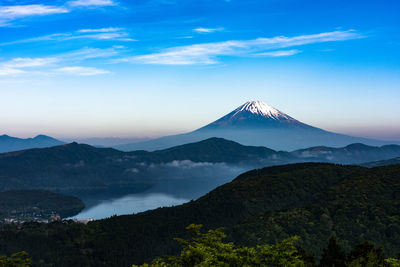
(177, 186)
(129, 204)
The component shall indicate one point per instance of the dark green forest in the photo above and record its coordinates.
(81, 170)
(265, 206)
(210, 249)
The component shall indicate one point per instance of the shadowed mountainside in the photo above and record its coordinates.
(351, 154)
(38, 202)
(382, 163)
(77, 168)
(312, 200)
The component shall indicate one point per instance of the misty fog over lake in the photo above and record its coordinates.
(177, 182)
(130, 204)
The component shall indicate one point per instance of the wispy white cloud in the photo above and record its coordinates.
(59, 64)
(208, 53)
(279, 53)
(87, 3)
(11, 12)
(10, 71)
(110, 29)
(91, 53)
(207, 30)
(81, 71)
(28, 62)
(18, 66)
(104, 34)
(115, 36)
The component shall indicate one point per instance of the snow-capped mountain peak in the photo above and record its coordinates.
(260, 108)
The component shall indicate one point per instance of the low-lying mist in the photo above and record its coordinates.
(191, 180)
(175, 183)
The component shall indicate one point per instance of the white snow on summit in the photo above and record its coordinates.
(260, 108)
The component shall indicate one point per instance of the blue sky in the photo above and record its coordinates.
(84, 68)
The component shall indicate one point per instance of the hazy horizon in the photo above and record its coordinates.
(373, 133)
(365, 132)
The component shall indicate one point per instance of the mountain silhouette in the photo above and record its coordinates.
(257, 124)
(9, 143)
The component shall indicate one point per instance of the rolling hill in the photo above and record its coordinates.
(382, 163)
(19, 203)
(312, 200)
(351, 154)
(80, 169)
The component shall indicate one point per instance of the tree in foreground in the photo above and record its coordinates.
(366, 254)
(208, 249)
(19, 259)
(392, 262)
(333, 255)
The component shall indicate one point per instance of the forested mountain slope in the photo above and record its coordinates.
(310, 200)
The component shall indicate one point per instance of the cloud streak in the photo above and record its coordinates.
(10, 13)
(10, 71)
(17, 66)
(207, 30)
(88, 3)
(18, 11)
(81, 71)
(29, 62)
(110, 29)
(90, 53)
(59, 64)
(279, 53)
(208, 53)
(104, 34)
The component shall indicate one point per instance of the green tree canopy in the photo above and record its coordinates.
(333, 255)
(19, 259)
(366, 254)
(208, 249)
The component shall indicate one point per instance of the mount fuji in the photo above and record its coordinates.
(258, 124)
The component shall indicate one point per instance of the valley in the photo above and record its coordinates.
(191, 169)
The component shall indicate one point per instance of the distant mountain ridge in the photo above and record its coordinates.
(352, 154)
(67, 168)
(257, 124)
(83, 168)
(9, 143)
(105, 141)
(221, 150)
(73, 168)
(382, 163)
